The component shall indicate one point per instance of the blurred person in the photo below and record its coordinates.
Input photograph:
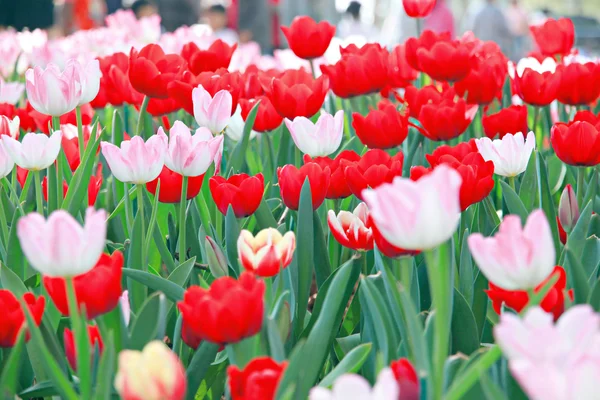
(31, 14)
(441, 19)
(254, 23)
(177, 13)
(518, 24)
(351, 24)
(113, 5)
(143, 9)
(490, 24)
(216, 16)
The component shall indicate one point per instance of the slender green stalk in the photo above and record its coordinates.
(511, 182)
(536, 117)
(3, 222)
(182, 212)
(14, 197)
(79, 131)
(242, 352)
(140, 203)
(82, 347)
(39, 195)
(128, 211)
(312, 69)
(406, 272)
(580, 186)
(140, 123)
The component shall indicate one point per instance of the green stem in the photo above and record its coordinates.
(406, 272)
(128, 211)
(511, 182)
(536, 117)
(140, 203)
(140, 123)
(82, 347)
(242, 352)
(182, 212)
(419, 26)
(468, 378)
(79, 131)
(14, 197)
(39, 195)
(580, 185)
(312, 69)
(3, 222)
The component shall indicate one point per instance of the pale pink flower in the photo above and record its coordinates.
(212, 112)
(11, 92)
(36, 152)
(125, 306)
(8, 127)
(320, 139)
(510, 154)
(352, 386)
(6, 162)
(90, 80)
(53, 92)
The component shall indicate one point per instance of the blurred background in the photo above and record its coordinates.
(505, 21)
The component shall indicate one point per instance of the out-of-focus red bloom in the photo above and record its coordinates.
(438, 56)
(446, 118)
(8, 110)
(296, 93)
(537, 88)
(158, 107)
(252, 77)
(476, 173)
(554, 37)
(400, 73)
(27, 122)
(307, 38)
(417, 98)
(407, 379)
(69, 342)
(13, 317)
(579, 83)
(170, 186)
(267, 117)
(222, 79)
(43, 121)
(418, 8)
(118, 86)
(98, 289)
(486, 78)
(189, 337)
(553, 302)
(578, 142)
(385, 247)
(218, 55)
(291, 180)
(181, 91)
(93, 187)
(70, 143)
(510, 120)
(383, 128)
(151, 70)
(373, 169)
(229, 311)
(242, 192)
(426, 42)
(338, 188)
(257, 381)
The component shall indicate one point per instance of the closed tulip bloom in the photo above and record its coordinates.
(155, 373)
(9, 127)
(222, 326)
(258, 380)
(90, 81)
(506, 121)
(417, 215)
(383, 128)
(11, 92)
(320, 139)
(445, 61)
(170, 186)
(516, 258)
(446, 118)
(6, 162)
(578, 141)
(242, 192)
(69, 343)
(568, 209)
(13, 318)
(267, 117)
(418, 8)
(291, 180)
(510, 154)
(407, 379)
(486, 78)
(60, 246)
(217, 55)
(98, 290)
(212, 112)
(151, 70)
(296, 94)
(136, 161)
(266, 253)
(54, 92)
(36, 152)
(219, 80)
(338, 188)
(352, 229)
(554, 37)
(426, 42)
(418, 98)
(579, 83)
(375, 168)
(534, 82)
(566, 352)
(307, 38)
(352, 386)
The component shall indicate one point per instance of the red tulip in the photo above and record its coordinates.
(257, 381)
(291, 180)
(553, 302)
(400, 73)
(578, 142)
(510, 120)
(297, 94)
(242, 192)
(222, 79)
(426, 42)
(554, 37)
(42, 121)
(562, 234)
(446, 61)
(93, 187)
(170, 186)
(119, 89)
(476, 173)
(267, 117)
(267, 253)
(98, 290)
(373, 169)
(180, 91)
(417, 98)
(383, 128)
(407, 379)
(229, 311)
(151, 70)
(70, 144)
(352, 229)
(338, 188)
(385, 247)
(537, 88)
(252, 78)
(579, 83)
(307, 38)
(189, 337)
(69, 342)
(488, 72)
(418, 8)
(218, 55)
(13, 318)
(27, 122)
(8, 110)
(446, 118)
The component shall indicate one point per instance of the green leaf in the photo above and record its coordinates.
(377, 316)
(322, 265)
(264, 216)
(557, 170)
(276, 349)
(137, 292)
(594, 299)
(465, 337)
(146, 326)
(528, 188)
(232, 233)
(173, 291)
(546, 201)
(117, 129)
(466, 280)
(10, 369)
(492, 391)
(15, 258)
(105, 370)
(163, 250)
(576, 239)
(513, 202)
(201, 361)
(237, 158)
(349, 364)
(578, 278)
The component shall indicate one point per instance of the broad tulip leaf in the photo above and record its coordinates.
(232, 233)
(514, 203)
(576, 276)
(10, 370)
(201, 361)
(322, 265)
(173, 291)
(349, 364)
(465, 337)
(528, 188)
(236, 160)
(147, 325)
(105, 370)
(546, 200)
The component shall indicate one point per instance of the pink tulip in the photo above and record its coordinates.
(191, 155)
(8, 127)
(417, 215)
(11, 92)
(212, 112)
(6, 162)
(510, 154)
(90, 80)
(568, 209)
(60, 246)
(516, 258)
(553, 361)
(125, 306)
(136, 161)
(53, 92)
(320, 139)
(352, 386)
(351, 229)
(36, 152)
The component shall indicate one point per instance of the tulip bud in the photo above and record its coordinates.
(568, 209)
(217, 262)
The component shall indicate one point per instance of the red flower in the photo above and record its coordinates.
(252, 77)
(218, 55)
(150, 70)
(418, 8)
(297, 94)
(535, 88)
(352, 229)
(509, 120)
(385, 247)
(373, 169)
(562, 234)
(291, 180)
(400, 73)
(189, 337)
(257, 381)
(170, 186)
(69, 342)
(267, 117)
(417, 98)
(42, 121)
(426, 42)
(98, 290)
(158, 107)
(446, 118)
(8, 110)
(338, 188)
(488, 72)
(71, 145)
(180, 91)
(229, 311)
(407, 379)
(554, 37)
(579, 83)
(476, 173)
(93, 187)
(383, 128)
(578, 142)
(27, 122)
(446, 61)
(307, 38)
(222, 79)
(242, 192)
(554, 301)
(13, 317)
(118, 86)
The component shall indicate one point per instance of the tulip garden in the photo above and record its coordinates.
(184, 219)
